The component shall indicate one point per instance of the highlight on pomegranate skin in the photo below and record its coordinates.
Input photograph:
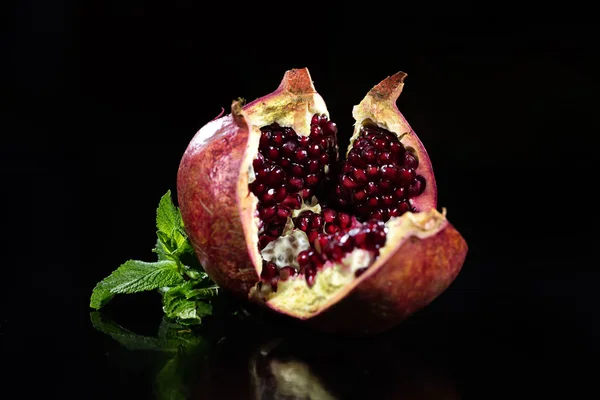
(352, 244)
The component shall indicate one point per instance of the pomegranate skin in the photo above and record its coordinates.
(412, 276)
(207, 184)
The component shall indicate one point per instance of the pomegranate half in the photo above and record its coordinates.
(275, 216)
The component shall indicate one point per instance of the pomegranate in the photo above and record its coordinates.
(275, 215)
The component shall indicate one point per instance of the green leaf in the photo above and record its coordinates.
(168, 217)
(205, 293)
(133, 277)
(179, 304)
(162, 252)
(130, 340)
(184, 246)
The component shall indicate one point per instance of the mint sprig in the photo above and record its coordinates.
(186, 289)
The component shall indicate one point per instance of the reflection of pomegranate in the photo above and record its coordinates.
(354, 245)
(285, 370)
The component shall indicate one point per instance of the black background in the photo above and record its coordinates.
(102, 98)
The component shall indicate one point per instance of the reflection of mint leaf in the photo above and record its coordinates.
(168, 217)
(180, 304)
(184, 348)
(133, 277)
(169, 383)
(130, 340)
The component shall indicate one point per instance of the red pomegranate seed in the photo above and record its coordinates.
(302, 222)
(344, 220)
(268, 197)
(388, 172)
(283, 212)
(329, 128)
(380, 144)
(287, 272)
(265, 138)
(417, 186)
(385, 157)
(304, 141)
(405, 175)
(293, 201)
(311, 179)
(410, 161)
(296, 183)
(276, 176)
(348, 183)
(258, 188)
(269, 271)
(297, 170)
(316, 221)
(329, 215)
(387, 200)
(275, 230)
(403, 207)
(324, 159)
(396, 148)
(331, 228)
(373, 202)
(359, 175)
(307, 193)
(372, 172)
(288, 148)
(355, 159)
(399, 193)
(303, 258)
(316, 131)
(262, 173)
(360, 195)
(268, 213)
(301, 155)
(385, 186)
(315, 150)
(372, 189)
(277, 138)
(394, 212)
(273, 153)
(280, 194)
(313, 166)
(315, 119)
(258, 162)
(368, 154)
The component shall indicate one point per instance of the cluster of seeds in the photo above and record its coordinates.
(379, 179)
(376, 182)
(288, 169)
(370, 235)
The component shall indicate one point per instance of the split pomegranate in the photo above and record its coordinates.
(274, 214)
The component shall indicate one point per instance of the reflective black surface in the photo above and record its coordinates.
(99, 100)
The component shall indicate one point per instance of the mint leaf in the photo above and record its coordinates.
(180, 305)
(205, 293)
(168, 217)
(162, 252)
(133, 277)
